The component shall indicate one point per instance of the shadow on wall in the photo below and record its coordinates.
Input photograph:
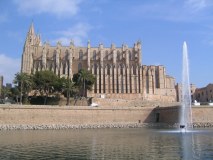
(151, 117)
(168, 115)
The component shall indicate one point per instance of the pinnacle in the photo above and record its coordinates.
(31, 31)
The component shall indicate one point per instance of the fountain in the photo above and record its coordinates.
(186, 113)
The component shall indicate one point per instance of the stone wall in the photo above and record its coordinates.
(136, 96)
(35, 115)
(168, 114)
(201, 114)
(137, 102)
(16, 115)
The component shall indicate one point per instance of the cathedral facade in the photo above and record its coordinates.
(119, 71)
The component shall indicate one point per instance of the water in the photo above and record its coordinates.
(186, 113)
(139, 143)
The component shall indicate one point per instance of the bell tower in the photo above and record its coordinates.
(31, 43)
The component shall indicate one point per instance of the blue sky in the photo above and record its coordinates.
(162, 27)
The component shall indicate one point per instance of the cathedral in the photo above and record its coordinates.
(119, 71)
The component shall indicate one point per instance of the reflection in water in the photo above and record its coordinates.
(186, 140)
(105, 144)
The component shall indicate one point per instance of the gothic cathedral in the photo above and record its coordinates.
(118, 70)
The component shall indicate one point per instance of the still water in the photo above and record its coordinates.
(107, 144)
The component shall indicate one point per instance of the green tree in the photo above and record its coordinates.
(46, 82)
(84, 80)
(25, 84)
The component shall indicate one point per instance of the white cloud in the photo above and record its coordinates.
(171, 10)
(60, 8)
(78, 33)
(9, 67)
(197, 5)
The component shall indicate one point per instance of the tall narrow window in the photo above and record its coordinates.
(94, 55)
(134, 69)
(147, 82)
(157, 82)
(118, 56)
(135, 84)
(51, 67)
(64, 68)
(95, 68)
(106, 55)
(130, 56)
(122, 77)
(81, 55)
(108, 69)
(79, 66)
(109, 56)
(121, 69)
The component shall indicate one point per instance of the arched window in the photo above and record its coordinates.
(81, 55)
(94, 55)
(79, 66)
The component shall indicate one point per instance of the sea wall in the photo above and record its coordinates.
(202, 116)
(78, 115)
(61, 117)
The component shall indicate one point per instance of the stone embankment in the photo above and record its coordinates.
(85, 126)
(98, 126)
(17, 117)
(203, 125)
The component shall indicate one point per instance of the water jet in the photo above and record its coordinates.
(185, 112)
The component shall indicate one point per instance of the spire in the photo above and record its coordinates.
(72, 43)
(88, 44)
(39, 40)
(31, 31)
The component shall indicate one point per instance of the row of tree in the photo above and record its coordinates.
(46, 83)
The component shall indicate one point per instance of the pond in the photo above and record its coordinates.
(125, 143)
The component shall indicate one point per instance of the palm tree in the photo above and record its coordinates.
(24, 82)
(84, 80)
(15, 93)
(6, 92)
(83, 74)
(69, 87)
